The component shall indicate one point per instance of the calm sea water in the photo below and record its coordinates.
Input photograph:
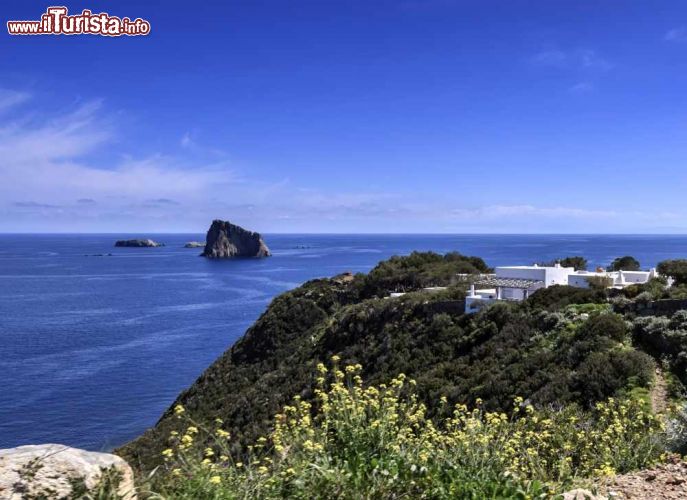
(93, 349)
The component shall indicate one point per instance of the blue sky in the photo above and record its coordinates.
(350, 116)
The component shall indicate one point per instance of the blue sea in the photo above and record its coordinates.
(94, 348)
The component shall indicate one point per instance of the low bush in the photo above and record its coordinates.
(355, 441)
(665, 338)
(418, 270)
(559, 296)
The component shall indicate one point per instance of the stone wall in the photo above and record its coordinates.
(664, 307)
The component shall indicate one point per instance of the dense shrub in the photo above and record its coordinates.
(558, 296)
(418, 270)
(676, 269)
(665, 338)
(655, 287)
(603, 373)
(604, 326)
(377, 442)
(535, 350)
(626, 263)
(578, 262)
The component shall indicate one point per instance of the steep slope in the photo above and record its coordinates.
(569, 356)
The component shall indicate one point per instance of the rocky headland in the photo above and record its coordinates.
(226, 240)
(139, 243)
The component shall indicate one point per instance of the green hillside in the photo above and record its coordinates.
(562, 349)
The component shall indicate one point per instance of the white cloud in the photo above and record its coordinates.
(582, 87)
(62, 159)
(573, 60)
(676, 35)
(26, 141)
(556, 58)
(60, 173)
(583, 64)
(500, 211)
(11, 98)
(590, 59)
(186, 140)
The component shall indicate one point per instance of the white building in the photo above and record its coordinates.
(515, 283)
(615, 279)
(519, 282)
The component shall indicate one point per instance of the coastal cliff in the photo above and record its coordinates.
(226, 240)
(465, 357)
(337, 376)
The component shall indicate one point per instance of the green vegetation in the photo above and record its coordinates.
(578, 262)
(665, 338)
(676, 269)
(654, 289)
(626, 263)
(563, 348)
(557, 297)
(418, 270)
(354, 441)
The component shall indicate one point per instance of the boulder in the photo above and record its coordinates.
(581, 494)
(194, 244)
(58, 471)
(138, 243)
(225, 240)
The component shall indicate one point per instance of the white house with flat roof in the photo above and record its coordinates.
(515, 283)
(616, 279)
(519, 282)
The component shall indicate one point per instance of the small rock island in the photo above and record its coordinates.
(226, 240)
(138, 243)
(194, 244)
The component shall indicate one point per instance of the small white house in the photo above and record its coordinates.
(515, 283)
(616, 279)
(519, 282)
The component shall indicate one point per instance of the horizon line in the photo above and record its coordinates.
(65, 233)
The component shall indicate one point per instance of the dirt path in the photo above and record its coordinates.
(659, 393)
(666, 481)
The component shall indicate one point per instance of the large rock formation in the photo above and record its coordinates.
(57, 471)
(138, 243)
(225, 240)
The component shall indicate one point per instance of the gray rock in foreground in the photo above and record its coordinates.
(53, 470)
(581, 494)
(225, 240)
(138, 243)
